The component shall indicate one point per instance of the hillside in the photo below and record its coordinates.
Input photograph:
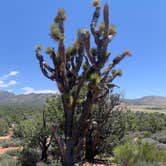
(148, 100)
(7, 98)
(33, 99)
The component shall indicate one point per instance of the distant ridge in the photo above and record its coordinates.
(147, 100)
(33, 99)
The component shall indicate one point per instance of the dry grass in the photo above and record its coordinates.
(147, 108)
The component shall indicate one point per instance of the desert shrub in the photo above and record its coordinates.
(4, 156)
(29, 157)
(55, 162)
(126, 125)
(10, 142)
(13, 152)
(7, 160)
(130, 154)
(160, 136)
(24, 129)
(159, 145)
(3, 127)
(50, 163)
(126, 154)
(140, 121)
(144, 163)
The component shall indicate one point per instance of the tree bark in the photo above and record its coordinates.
(90, 148)
(44, 151)
(68, 124)
(68, 156)
(44, 154)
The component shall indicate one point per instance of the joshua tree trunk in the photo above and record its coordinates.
(68, 157)
(68, 125)
(91, 146)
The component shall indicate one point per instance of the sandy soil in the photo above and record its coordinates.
(5, 137)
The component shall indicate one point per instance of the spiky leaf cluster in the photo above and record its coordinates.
(95, 78)
(61, 16)
(55, 32)
(112, 30)
(49, 50)
(38, 47)
(116, 72)
(96, 3)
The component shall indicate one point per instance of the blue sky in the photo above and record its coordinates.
(140, 25)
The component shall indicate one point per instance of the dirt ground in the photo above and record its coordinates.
(7, 137)
(97, 164)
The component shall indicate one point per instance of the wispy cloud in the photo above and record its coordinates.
(10, 74)
(28, 90)
(6, 85)
(12, 82)
(5, 81)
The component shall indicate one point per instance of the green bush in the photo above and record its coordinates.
(6, 160)
(13, 152)
(10, 142)
(24, 129)
(144, 163)
(29, 157)
(50, 163)
(4, 156)
(9, 162)
(126, 154)
(130, 154)
(3, 127)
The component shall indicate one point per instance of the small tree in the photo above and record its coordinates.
(75, 67)
(101, 127)
(42, 137)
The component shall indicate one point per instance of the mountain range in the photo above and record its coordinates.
(147, 100)
(8, 98)
(33, 99)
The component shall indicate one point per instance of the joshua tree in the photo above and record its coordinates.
(76, 67)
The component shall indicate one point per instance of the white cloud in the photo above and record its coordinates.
(13, 82)
(10, 74)
(13, 73)
(2, 84)
(6, 85)
(28, 90)
(5, 81)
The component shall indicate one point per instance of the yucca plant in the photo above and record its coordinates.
(76, 67)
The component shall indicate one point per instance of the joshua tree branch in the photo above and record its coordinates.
(44, 67)
(115, 62)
